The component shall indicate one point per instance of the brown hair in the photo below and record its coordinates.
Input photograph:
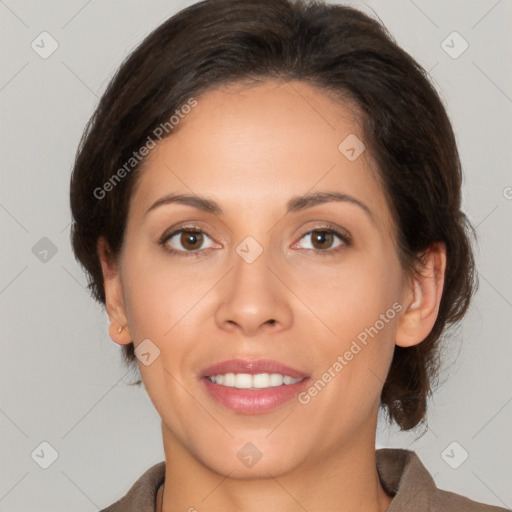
(339, 50)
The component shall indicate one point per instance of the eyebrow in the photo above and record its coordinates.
(295, 204)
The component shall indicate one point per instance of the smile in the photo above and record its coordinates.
(254, 386)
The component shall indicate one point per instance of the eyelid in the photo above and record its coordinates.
(193, 226)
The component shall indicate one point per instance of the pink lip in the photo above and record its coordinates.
(257, 401)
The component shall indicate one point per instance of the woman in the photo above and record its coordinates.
(267, 202)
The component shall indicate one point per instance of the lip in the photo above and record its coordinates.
(251, 367)
(258, 401)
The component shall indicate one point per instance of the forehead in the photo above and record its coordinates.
(253, 146)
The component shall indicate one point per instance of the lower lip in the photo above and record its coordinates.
(257, 401)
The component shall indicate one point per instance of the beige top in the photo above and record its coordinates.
(401, 472)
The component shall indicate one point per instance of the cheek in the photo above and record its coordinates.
(159, 293)
(352, 295)
(359, 306)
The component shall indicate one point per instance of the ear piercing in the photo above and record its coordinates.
(119, 329)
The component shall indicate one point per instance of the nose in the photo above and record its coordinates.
(253, 298)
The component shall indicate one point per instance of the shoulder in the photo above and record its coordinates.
(141, 497)
(404, 477)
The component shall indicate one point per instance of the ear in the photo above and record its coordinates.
(114, 300)
(422, 298)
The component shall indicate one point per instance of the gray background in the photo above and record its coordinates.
(62, 380)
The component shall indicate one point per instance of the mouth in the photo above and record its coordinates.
(252, 387)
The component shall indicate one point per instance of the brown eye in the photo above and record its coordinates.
(191, 240)
(322, 239)
(188, 242)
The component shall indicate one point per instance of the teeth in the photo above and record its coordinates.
(249, 381)
(261, 380)
(242, 381)
(228, 379)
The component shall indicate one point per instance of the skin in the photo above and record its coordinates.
(251, 149)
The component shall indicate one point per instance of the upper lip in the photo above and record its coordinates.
(251, 367)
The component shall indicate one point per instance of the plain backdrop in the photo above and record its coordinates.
(62, 380)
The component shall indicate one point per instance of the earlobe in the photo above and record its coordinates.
(423, 294)
(114, 302)
(118, 334)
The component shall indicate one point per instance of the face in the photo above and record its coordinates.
(264, 284)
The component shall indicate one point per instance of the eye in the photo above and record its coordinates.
(187, 241)
(323, 238)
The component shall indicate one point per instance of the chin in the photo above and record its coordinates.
(256, 466)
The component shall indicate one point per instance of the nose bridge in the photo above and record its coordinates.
(251, 264)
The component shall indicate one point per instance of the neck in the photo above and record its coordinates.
(345, 480)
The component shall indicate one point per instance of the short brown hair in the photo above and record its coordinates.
(337, 49)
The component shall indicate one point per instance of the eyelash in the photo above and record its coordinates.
(347, 242)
